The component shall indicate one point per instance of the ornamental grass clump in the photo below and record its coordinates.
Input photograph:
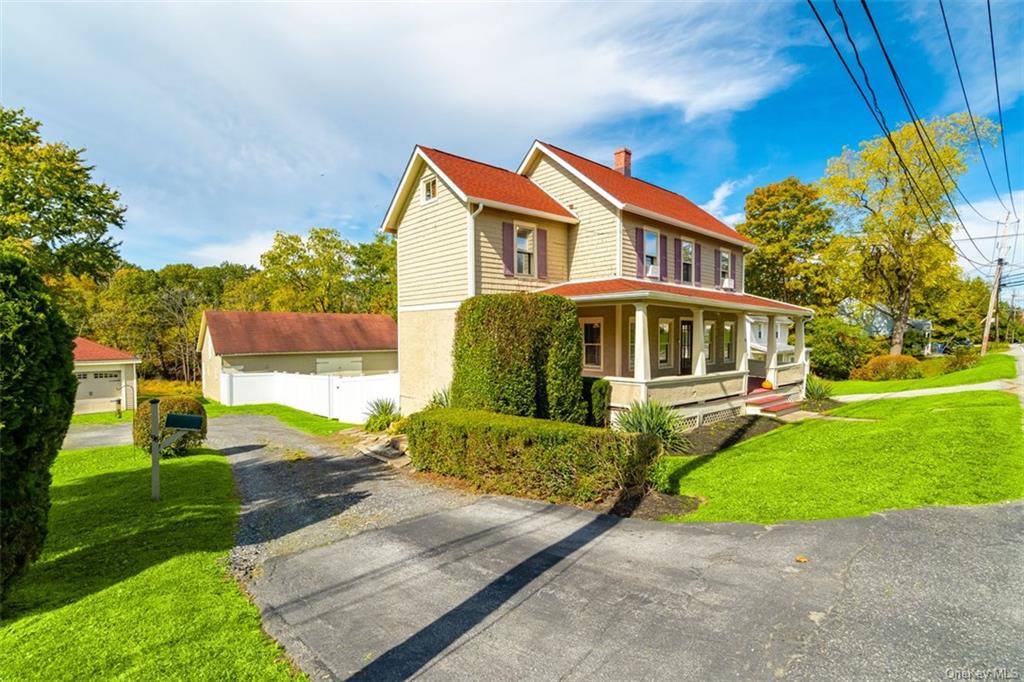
(818, 389)
(655, 419)
(381, 413)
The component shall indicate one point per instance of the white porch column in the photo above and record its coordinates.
(771, 356)
(700, 353)
(642, 346)
(742, 349)
(799, 344)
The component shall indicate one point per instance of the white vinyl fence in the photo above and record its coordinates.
(341, 398)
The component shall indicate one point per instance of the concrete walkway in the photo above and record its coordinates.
(998, 385)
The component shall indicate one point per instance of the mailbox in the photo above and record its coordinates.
(184, 422)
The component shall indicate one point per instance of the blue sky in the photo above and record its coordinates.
(223, 122)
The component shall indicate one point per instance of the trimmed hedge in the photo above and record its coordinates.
(519, 354)
(37, 397)
(597, 397)
(178, 404)
(888, 367)
(536, 458)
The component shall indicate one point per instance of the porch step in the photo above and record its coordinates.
(778, 409)
(765, 400)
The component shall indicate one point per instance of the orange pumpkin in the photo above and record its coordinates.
(766, 384)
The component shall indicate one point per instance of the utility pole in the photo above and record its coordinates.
(993, 300)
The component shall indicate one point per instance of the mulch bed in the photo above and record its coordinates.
(821, 405)
(711, 438)
(653, 505)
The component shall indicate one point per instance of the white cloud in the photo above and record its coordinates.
(986, 235)
(225, 119)
(246, 251)
(734, 219)
(716, 205)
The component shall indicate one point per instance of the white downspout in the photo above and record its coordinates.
(471, 249)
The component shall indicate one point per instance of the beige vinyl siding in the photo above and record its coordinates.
(378, 362)
(211, 368)
(591, 243)
(707, 247)
(490, 274)
(431, 241)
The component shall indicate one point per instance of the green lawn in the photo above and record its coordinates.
(964, 448)
(989, 368)
(303, 421)
(134, 589)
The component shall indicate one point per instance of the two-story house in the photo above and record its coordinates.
(658, 281)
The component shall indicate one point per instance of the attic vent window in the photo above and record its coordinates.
(429, 190)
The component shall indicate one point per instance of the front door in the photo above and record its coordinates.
(686, 347)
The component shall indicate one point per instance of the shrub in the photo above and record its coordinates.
(837, 347)
(381, 413)
(179, 405)
(887, 367)
(817, 389)
(655, 419)
(597, 398)
(962, 357)
(508, 356)
(530, 457)
(37, 397)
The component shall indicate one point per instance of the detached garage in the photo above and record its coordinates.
(106, 377)
(300, 343)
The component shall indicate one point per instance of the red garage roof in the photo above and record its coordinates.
(645, 196)
(237, 332)
(490, 183)
(90, 351)
(610, 287)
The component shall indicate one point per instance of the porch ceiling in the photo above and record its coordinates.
(624, 290)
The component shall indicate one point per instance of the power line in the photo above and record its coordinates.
(970, 113)
(999, 104)
(922, 133)
(994, 236)
(915, 192)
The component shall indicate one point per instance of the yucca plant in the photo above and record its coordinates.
(656, 419)
(817, 389)
(440, 398)
(380, 413)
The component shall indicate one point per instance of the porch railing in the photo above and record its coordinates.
(679, 390)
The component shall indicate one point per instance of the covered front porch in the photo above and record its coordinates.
(685, 347)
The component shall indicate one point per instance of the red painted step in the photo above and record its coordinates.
(767, 400)
(782, 408)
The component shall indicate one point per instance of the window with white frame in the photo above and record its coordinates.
(631, 343)
(81, 376)
(686, 262)
(727, 337)
(709, 342)
(724, 264)
(664, 343)
(651, 255)
(592, 336)
(429, 190)
(106, 375)
(526, 244)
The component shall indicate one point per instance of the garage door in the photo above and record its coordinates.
(94, 385)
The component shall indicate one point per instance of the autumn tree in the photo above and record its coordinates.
(49, 201)
(311, 275)
(792, 228)
(375, 277)
(901, 215)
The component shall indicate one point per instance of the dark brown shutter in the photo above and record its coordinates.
(508, 249)
(739, 269)
(717, 265)
(732, 264)
(639, 252)
(663, 258)
(542, 254)
(696, 263)
(678, 259)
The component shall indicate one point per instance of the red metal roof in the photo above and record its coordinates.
(630, 286)
(646, 196)
(236, 332)
(483, 181)
(90, 351)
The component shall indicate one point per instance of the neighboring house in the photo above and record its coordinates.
(658, 281)
(877, 321)
(106, 378)
(757, 338)
(302, 343)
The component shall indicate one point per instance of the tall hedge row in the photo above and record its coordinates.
(530, 457)
(519, 354)
(37, 397)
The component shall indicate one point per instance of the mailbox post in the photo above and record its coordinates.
(179, 425)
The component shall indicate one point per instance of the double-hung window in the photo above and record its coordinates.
(526, 245)
(651, 255)
(709, 342)
(724, 265)
(686, 263)
(664, 343)
(429, 190)
(727, 337)
(592, 342)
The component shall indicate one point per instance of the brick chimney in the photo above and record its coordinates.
(623, 161)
